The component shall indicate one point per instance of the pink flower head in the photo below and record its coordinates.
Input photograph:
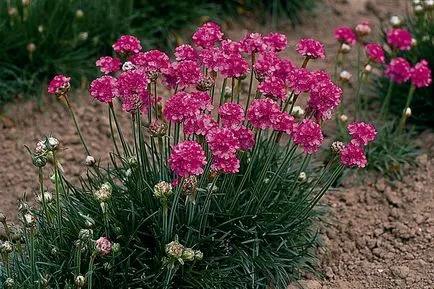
(187, 73)
(345, 35)
(232, 114)
(261, 112)
(253, 43)
(230, 46)
(308, 134)
(109, 64)
(199, 124)
(275, 41)
(324, 97)
(375, 52)
(186, 52)
(353, 155)
(421, 74)
(151, 61)
(187, 158)
(184, 105)
(283, 122)
(228, 165)
(398, 70)
(132, 86)
(300, 80)
(207, 35)
(320, 76)
(234, 65)
(282, 68)
(363, 29)
(104, 88)
(169, 77)
(127, 45)
(399, 38)
(311, 48)
(362, 133)
(103, 246)
(59, 85)
(245, 136)
(222, 142)
(273, 87)
(212, 58)
(267, 64)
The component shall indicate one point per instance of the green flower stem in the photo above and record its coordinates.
(407, 104)
(250, 83)
(156, 102)
(90, 271)
(165, 208)
(385, 108)
(204, 212)
(32, 255)
(359, 74)
(41, 191)
(233, 89)
(336, 66)
(78, 259)
(119, 129)
(112, 134)
(305, 62)
(222, 94)
(173, 208)
(238, 89)
(77, 127)
(57, 191)
(162, 153)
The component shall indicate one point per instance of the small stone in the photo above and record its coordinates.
(380, 185)
(400, 271)
(305, 284)
(329, 273)
(392, 197)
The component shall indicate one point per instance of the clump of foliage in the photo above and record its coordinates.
(218, 186)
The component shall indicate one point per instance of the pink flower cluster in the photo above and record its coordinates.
(127, 45)
(308, 135)
(109, 64)
(103, 245)
(273, 87)
(300, 80)
(345, 35)
(324, 97)
(187, 159)
(353, 154)
(311, 48)
(186, 52)
(375, 52)
(151, 61)
(207, 35)
(132, 87)
(59, 84)
(398, 70)
(275, 41)
(104, 88)
(399, 38)
(261, 112)
(421, 74)
(184, 105)
(232, 114)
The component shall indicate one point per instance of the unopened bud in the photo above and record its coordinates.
(104, 193)
(31, 47)
(132, 161)
(395, 21)
(343, 118)
(345, 76)
(302, 177)
(345, 48)
(368, 68)
(12, 11)
(407, 112)
(79, 13)
(188, 254)
(85, 234)
(158, 128)
(46, 197)
(198, 255)
(116, 247)
(413, 42)
(39, 161)
(418, 9)
(174, 249)
(163, 190)
(41, 28)
(128, 66)
(83, 36)
(363, 29)
(205, 83)
(9, 283)
(26, 2)
(80, 281)
(428, 4)
(90, 161)
(6, 247)
(297, 111)
(337, 147)
(30, 220)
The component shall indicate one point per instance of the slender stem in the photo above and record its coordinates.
(407, 104)
(32, 254)
(90, 271)
(359, 73)
(57, 191)
(77, 127)
(385, 108)
(250, 83)
(119, 129)
(112, 134)
(305, 61)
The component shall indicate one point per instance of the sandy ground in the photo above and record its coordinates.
(381, 233)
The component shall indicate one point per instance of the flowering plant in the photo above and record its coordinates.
(219, 185)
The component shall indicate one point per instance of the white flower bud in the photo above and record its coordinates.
(30, 220)
(41, 28)
(407, 112)
(31, 47)
(345, 48)
(416, 2)
(80, 281)
(12, 11)
(26, 2)
(302, 177)
(90, 161)
(337, 147)
(426, 38)
(104, 193)
(413, 42)
(128, 66)
(6, 247)
(174, 249)
(297, 111)
(368, 68)
(345, 75)
(79, 13)
(9, 283)
(395, 21)
(344, 118)
(418, 9)
(188, 254)
(163, 190)
(83, 36)
(45, 197)
(429, 4)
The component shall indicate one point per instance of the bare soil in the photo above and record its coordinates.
(381, 233)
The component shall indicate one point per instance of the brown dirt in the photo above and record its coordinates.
(382, 232)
